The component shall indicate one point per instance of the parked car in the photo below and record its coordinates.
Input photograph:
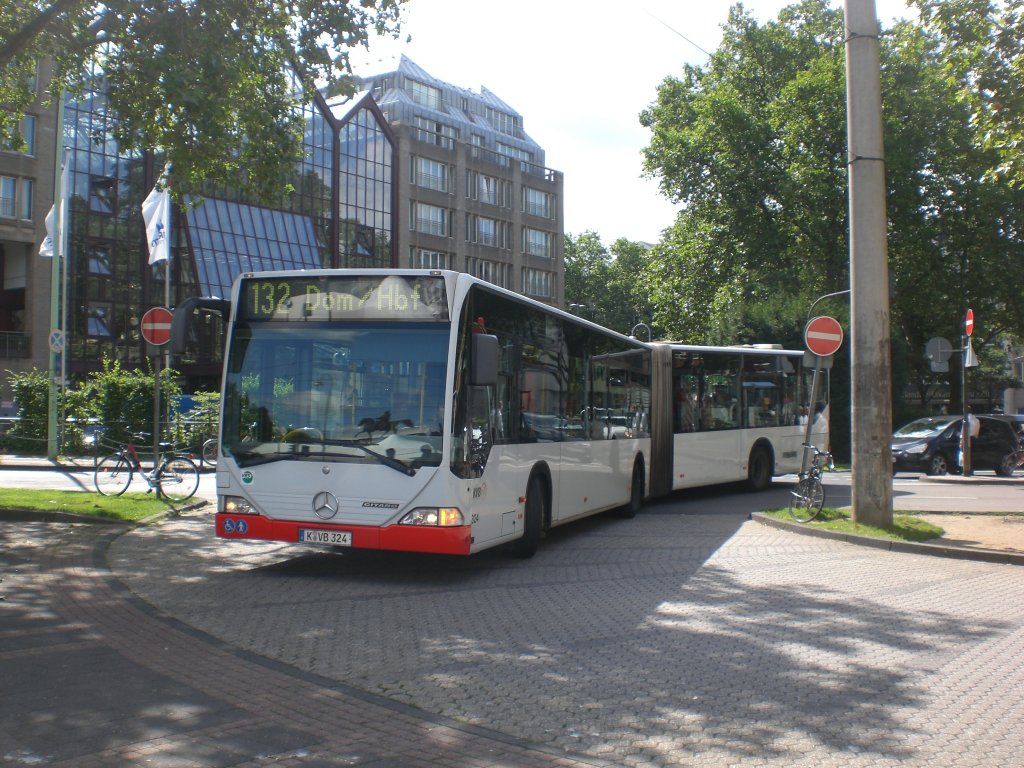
(932, 445)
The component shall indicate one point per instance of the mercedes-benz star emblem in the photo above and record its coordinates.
(325, 504)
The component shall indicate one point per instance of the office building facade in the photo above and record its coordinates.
(474, 192)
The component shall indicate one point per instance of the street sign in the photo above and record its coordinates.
(156, 326)
(823, 335)
(969, 322)
(56, 341)
(938, 350)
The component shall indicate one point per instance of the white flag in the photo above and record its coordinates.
(57, 218)
(156, 212)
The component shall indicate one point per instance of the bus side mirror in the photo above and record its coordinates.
(183, 316)
(484, 371)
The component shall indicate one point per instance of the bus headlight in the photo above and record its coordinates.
(236, 505)
(441, 517)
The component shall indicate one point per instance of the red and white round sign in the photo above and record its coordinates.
(969, 322)
(156, 326)
(823, 335)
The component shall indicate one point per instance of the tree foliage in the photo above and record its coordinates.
(753, 147)
(606, 285)
(214, 85)
(984, 55)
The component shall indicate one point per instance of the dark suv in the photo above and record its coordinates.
(932, 445)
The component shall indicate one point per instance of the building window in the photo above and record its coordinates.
(430, 219)
(28, 130)
(11, 142)
(494, 272)
(430, 174)
(536, 282)
(103, 195)
(8, 196)
(537, 203)
(98, 256)
(536, 242)
(488, 189)
(436, 133)
(15, 197)
(502, 121)
(25, 201)
(98, 320)
(425, 95)
(420, 258)
(488, 231)
(516, 152)
(381, 87)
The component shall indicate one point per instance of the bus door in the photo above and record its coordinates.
(708, 417)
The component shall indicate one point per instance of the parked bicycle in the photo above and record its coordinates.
(174, 477)
(209, 452)
(808, 496)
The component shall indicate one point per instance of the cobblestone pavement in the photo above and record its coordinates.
(677, 638)
(671, 639)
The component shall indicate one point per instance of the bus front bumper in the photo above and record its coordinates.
(455, 540)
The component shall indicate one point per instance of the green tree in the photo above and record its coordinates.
(606, 285)
(214, 85)
(753, 147)
(586, 273)
(984, 55)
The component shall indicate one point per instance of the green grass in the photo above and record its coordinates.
(130, 507)
(904, 527)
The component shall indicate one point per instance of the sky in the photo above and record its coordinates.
(579, 72)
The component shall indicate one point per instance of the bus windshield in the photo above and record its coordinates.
(359, 393)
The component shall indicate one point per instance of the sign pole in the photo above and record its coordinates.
(156, 405)
(156, 330)
(965, 428)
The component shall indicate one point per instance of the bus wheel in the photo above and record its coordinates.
(636, 493)
(533, 520)
(759, 469)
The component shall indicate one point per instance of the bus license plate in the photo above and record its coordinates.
(334, 538)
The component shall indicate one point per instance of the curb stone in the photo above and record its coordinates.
(911, 547)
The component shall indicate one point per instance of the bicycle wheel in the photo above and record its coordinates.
(806, 500)
(178, 479)
(113, 475)
(210, 452)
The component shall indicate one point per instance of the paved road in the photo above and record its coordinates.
(689, 635)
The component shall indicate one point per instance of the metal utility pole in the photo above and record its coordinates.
(870, 347)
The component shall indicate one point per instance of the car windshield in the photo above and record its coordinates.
(925, 427)
(367, 393)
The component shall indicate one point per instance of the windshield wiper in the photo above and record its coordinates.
(387, 461)
(252, 458)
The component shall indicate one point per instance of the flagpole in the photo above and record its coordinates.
(56, 366)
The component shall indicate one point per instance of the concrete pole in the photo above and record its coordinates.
(870, 347)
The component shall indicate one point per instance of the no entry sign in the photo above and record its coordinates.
(823, 335)
(156, 326)
(969, 322)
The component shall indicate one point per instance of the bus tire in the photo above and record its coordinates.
(533, 519)
(636, 492)
(759, 469)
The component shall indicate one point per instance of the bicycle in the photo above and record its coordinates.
(173, 477)
(808, 496)
(209, 452)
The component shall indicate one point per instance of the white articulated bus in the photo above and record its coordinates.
(429, 411)
(422, 411)
(727, 414)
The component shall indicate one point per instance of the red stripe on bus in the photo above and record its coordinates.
(399, 538)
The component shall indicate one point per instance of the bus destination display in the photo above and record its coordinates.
(359, 297)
